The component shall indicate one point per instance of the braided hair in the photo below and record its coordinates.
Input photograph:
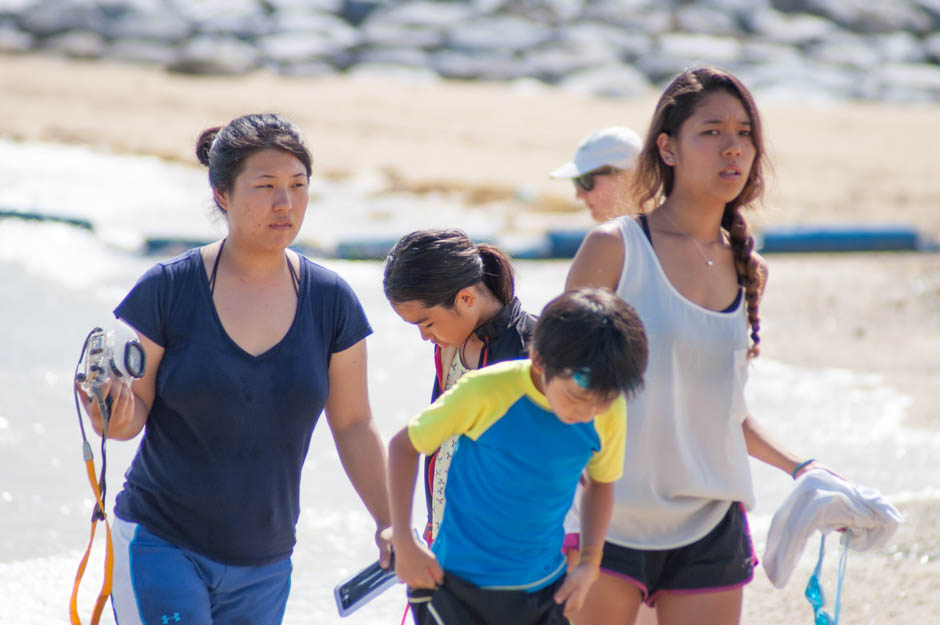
(654, 179)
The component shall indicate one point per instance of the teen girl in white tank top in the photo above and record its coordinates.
(689, 431)
(689, 413)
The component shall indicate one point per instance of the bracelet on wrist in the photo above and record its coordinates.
(801, 466)
(592, 554)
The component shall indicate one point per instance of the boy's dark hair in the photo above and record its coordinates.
(595, 337)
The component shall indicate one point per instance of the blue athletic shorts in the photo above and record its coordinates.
(157, 583)
(723, 559)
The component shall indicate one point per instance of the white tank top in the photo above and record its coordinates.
(686, 457)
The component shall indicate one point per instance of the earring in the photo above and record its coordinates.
(668, 159)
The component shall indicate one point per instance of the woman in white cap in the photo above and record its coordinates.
(602, 171)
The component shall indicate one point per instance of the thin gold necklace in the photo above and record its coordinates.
(701, 250)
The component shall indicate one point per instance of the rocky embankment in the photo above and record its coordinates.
(885, 50)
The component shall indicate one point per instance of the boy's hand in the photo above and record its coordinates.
(415, 564)
(383, 539)
(575, 588)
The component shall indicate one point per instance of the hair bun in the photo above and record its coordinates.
(204, 144)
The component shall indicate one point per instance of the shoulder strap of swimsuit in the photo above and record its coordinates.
(295, 279)
(293, 275)
(645, 224)
(215, 267)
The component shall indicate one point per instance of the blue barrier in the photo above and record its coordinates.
(171, 246)
(853, 238)
(783, 239)
(365, 249)
(564, 243)
(71, 221)
(377, 247)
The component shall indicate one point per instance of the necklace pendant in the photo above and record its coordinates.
(710, 263)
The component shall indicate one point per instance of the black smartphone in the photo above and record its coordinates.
(354, 592)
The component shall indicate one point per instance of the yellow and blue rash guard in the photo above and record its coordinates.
(513, 475)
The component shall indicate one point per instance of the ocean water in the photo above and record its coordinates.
(59, 281)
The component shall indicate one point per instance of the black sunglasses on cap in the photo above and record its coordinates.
(586, 181)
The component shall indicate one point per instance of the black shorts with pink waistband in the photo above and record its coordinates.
(723, 559)
(458, 602)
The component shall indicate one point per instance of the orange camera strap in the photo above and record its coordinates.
(99, 488)
(99, 514)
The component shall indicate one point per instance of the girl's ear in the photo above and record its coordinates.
(667, 148)
(466, 298)
(537, 365)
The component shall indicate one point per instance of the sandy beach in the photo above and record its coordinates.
(860, 162)
(851, 163)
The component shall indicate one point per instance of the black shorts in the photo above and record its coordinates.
(723, 559)
(458, 602)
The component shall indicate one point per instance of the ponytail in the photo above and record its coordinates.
(498, 274)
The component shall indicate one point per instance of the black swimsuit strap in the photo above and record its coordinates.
(644, 222)
(293, 275)
(215, 267)
(646, 226)
(295, 279)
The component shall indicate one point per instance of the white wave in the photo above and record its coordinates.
(72, 257)
(122, 195)
(129, 198)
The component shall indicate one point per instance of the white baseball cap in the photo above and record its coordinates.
(616, 146)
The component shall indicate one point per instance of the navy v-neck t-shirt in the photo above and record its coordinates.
(218, 468)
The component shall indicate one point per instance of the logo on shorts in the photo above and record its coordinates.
(167, 619)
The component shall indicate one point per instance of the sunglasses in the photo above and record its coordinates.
(586, 181)
(814, 592)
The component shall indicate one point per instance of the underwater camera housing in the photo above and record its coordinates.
(102, 364)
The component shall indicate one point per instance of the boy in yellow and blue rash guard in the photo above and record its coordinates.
(528, 429)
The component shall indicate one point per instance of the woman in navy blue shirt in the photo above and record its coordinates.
(247, 342)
